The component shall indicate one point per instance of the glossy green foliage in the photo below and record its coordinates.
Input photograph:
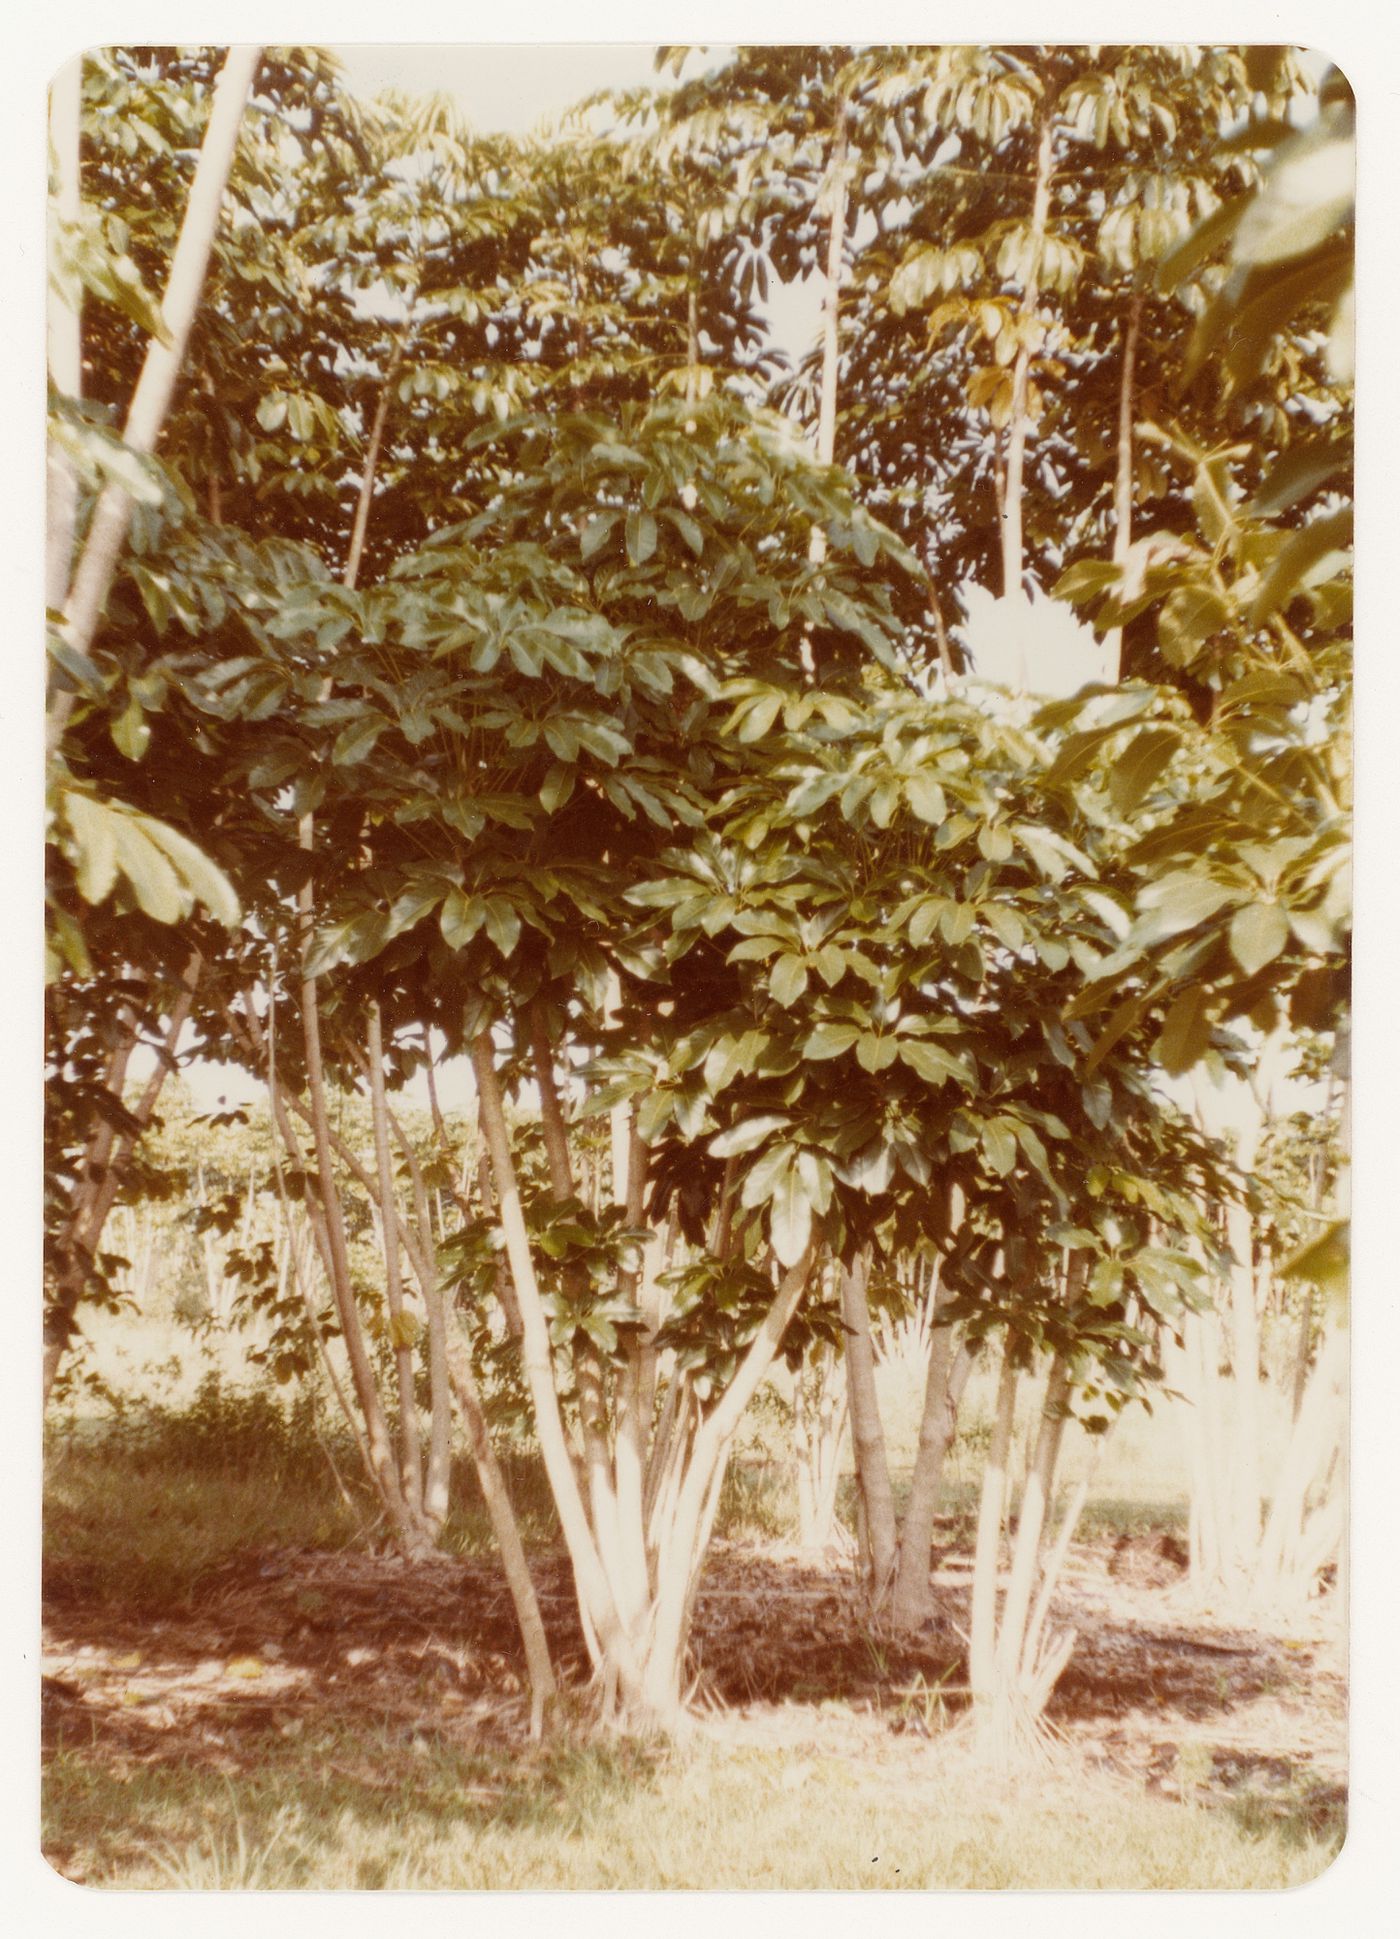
(1243, 903)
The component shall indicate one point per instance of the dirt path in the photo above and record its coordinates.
(1156, 1695)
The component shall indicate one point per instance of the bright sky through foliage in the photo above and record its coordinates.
(500, 89)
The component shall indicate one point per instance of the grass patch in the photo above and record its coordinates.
(142, 1505)
(390, 1812)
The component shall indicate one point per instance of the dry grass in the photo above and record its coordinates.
(423, 1813)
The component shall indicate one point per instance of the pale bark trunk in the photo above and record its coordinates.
(1018, 424)
(65, 331)
(1247, 1462)
(699, 1497)
(831, 313)
(1123, 482)
(437, 1478)
(635, 1580)
(820, 1407)
(369, 470)
(867, 1434)
(155, 387)
(619, 1540)
(410, 1450)
(1287, 1567)
(912, 1601)
(595, 1595)
(408, 1533)
(981, 1666)
(507, 1532)
(1030, 1529)
(1014, 1671)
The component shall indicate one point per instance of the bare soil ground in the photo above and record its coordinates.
(1157, 1697)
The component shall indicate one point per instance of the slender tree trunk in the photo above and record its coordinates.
(504, 1526)
(619, 1540)
(155, 388)
(65, 331)
(1030, 1528)
(981, 1667)
(820, 1407)
(410, 1457)
(370, 469)
(1123, 483)
(692, 332)
(423, 1254)
(913, 1598)
(831, 309)
(699, 1497)
(1288, 1559)
(595, 1596)
(407, 1533)
(867, 1434)
(831, 299)
(1012, 1673)
(1018, 424)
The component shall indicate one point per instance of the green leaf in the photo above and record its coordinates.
(831, 964)
(1187, 620)
(746, 1136)
(206, 882)
(641, 537)
(502, 924)
(1300, 472)
(999, 1143)
(790, 1218)
(688, 529)
(324, 951)
(131, 732)
(1299, 556)
(957, 923)
(1183, 900)
(926, 919)
(830, 1040)
(1005, 924)
(875, 1053)
(153, 880)
(1325, 1259)
(1258, 934)
(272, 410)
(1087, 580)
(883, 801)
(1138, 767)
(595, 533)
(935, 1065)
(759, 717)
(356, 740)
(94, 828)
(462, 915)
(1306, 197)
(556, 787)
(761, 1178)
(604, 741)
(926, 798)
(788, 980)
(1185, 1035)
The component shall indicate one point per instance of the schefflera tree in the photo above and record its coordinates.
(128, 870)
(1241, 875)
(921, 896)
(523, 716)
